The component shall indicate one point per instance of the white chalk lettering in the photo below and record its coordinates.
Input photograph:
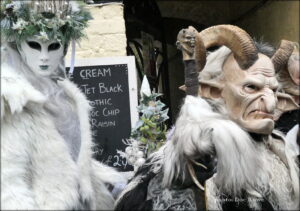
(113, 112)
(94, 113)
(99, 151)
(93, 73)
(101, 102)
(105, 124)
(108, 161)
(94, 133)
(108, 89)
(88, 90)
(119, 161)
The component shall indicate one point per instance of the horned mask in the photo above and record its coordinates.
(289, 75)
(247, 83)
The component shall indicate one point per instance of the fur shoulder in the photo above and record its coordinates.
(75, 93)
(16, 92)
(107, 174)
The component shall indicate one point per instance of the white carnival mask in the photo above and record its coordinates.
(41, 57)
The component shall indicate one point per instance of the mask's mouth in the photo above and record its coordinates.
(44, 67)
(261, 114)
(192, 43)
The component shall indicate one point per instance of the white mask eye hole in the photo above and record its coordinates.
(54, 46)
(34, 45)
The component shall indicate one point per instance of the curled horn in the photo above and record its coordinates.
(282, 54)
(239, 41)
(192, 72)
(200, 53)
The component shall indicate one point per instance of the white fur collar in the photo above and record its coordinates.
(16, 92)
(200, 130)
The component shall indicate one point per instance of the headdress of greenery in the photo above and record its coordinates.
(19, 22)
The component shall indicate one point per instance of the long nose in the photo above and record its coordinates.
(44, 56)
(268, 101)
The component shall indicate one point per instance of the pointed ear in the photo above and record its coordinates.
(207, 89)
(285, 103)
(182, 88)
(210, 89)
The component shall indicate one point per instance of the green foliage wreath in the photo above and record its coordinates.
(19, 22)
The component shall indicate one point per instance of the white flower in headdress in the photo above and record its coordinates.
(43, 36)
(19, 25)
(14, 6)
(38, 22)
(51, 23)
(9, 6)
(60, 22)
(35, 18)
(17, 5)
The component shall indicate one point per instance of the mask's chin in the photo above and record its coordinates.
(259, 126)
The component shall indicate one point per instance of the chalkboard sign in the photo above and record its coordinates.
(111, 87)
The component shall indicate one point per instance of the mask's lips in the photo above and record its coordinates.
(44, 67)
(260, 114)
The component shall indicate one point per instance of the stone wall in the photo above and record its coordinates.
(106, 35)
(274, 21)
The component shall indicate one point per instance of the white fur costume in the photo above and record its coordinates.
(37, 170)
(265, 170)
(243, 170)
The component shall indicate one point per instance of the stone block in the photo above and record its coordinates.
(106, 35)
(106, 27)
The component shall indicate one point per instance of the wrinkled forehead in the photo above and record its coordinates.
(262, 68)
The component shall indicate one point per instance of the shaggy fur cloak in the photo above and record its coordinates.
(37, 169)
(254, 173)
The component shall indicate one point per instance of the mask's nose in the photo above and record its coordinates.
(268, 101)
(44, 56)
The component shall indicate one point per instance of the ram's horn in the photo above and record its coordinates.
(239, 41)
(200, 53)
(282, 54)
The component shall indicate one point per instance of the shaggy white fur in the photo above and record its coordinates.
(243, 164)
(202, 131)
(291, 138)
(265, 169)
(214, 64)
(37, 170)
